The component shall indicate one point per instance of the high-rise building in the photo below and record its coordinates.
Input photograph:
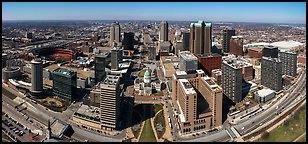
(99, 66)
(128, 41)
(236, 45)
(185, 41)
(227, 34)
(188, 62)
(115, 33)
(36, 77)
(270, 51)
(200, 37)
(116, 58)
(64, 84)
(110, 102)
(289, 62)
(271, 73)
(4, 58)
(208, 62)
(29, 35)
(231, 80)
(163, 31)
(199, 100)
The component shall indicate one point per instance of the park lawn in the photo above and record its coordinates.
(302, 139)
(157, 107)
(285, 133)
(159, 119)
(147, 134)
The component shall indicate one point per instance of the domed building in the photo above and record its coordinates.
(147, 85)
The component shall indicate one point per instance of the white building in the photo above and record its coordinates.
(264, 95)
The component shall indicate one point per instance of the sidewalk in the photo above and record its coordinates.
(167, 135)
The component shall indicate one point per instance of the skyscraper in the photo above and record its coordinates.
(289, 62)
(227, 34)
(36, 77)
(64, 84)
(270, 51)
(200, 37)
(110, 102)
(116, 58)
(115, 33)
(163, 31)
(271, 73)
(128, 41)
(99, 66)
(185, 41)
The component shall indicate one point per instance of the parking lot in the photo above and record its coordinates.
(14, 129)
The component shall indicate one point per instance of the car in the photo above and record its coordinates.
(242, 128)
(194, 135)
(260, 124)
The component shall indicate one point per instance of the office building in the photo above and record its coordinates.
(64, 84)
(209, 62)
(255, 53)
(185, 41)
(271, 73)
(128, 41)
(289, 62)
(36, 77)
(29, 35)
(115, 33)
(270, 51)
(200, 37)
(110, 103)
(227, 34)
(152, 51)
(188, 62)
(116, 58)
(99, 66)
(163, 31)
(231, 80)
(199, 100)
(4, 58)
(216, 74)
(236, 45)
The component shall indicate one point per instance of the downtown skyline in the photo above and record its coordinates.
(270, 12)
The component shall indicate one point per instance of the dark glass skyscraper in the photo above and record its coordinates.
(227, 34)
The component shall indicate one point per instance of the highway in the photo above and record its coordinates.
(42, 115)
(258, 120)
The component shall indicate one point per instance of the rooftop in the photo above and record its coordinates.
(111, 80)
(188, 88)
(188, 57)
(264, 92)
(64, 72)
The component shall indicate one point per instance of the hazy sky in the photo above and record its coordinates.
(279, 12)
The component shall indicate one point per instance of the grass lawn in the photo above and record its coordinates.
(159, 119)
(147, 134)
(294, 127)
(157, 107)
(302, 139)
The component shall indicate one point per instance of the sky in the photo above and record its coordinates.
(269, 12)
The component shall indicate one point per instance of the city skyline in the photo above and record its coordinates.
(270, 12)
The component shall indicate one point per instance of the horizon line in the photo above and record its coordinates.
(160, 20)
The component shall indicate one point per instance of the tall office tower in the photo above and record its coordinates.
(231, 80)
(64, 84)
(99, 66)
(270, 51)
(152, 51)
(4, 58)
(128, 41)
(289, 62)
(163, 31)
(200, 38)
(36, 77)
(271, 73)
(236, 45)
(110, 102)
(227, 34)
(116, 58)
(185, 41)
(29, 35)
(199, 100)
(115, 33)
(188, 62)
